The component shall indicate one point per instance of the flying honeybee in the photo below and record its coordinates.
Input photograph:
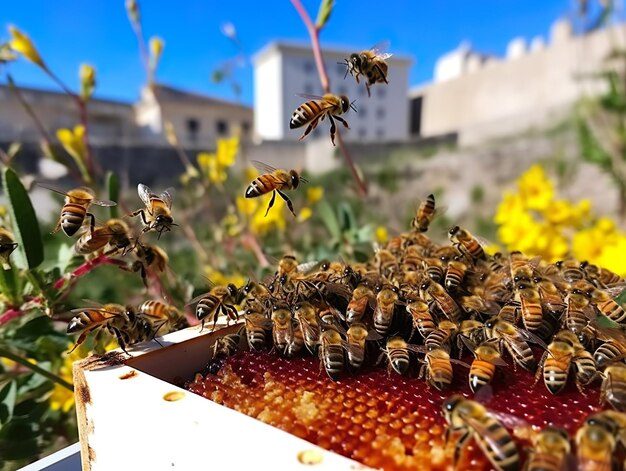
(315, 110)
(474, 420)
(426, 212)
(7, 246)
(150, 259)
(74, 210)
(157, 214)
(369, 63)
(117, 319)
(114, 233)
(276, 181)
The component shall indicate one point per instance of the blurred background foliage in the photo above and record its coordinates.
(224, 237)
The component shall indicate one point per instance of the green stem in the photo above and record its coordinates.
(32, 366)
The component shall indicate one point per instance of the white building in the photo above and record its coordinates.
(284, 70)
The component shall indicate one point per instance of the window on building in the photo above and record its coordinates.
(380, 112)
(221, 127)
(380, 133)
(193, 129)
(308, 66)
(245, 127)
(362, 132)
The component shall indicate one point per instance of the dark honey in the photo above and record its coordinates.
(381, 419)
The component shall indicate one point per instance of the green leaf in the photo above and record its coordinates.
(346, 217)
(591, 149)
(323, 15)
(113, 186)
(29, 253)
(327, 214)
(8, 394)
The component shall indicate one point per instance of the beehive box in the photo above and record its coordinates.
(131, 415)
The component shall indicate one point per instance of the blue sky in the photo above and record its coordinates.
(69, 32)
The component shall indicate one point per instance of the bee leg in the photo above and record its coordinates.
(142, 214)
(369, 92)
(459, 446)
(92, 224)
(271, 203)
(341, 120)
(540, 368)
(57, 227)
(333, 129)
(80, 340)
(288, 201)
(310, 128)
(120, 339)
(382, 74)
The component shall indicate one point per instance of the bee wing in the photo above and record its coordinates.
(416, 348)
(168, 196)
(460, 362)
(530, 337)
(144, 192)
(104, 203)
(197, 298)
(264, 322)
(306, 266)
(263, 167)
(468, 343)
(373, 335)
(380, 47)
(616, 289)
(310, 97)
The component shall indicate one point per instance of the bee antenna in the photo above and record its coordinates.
(353, 106)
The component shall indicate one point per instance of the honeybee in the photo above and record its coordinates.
(530, 306)
(7, 246)
(578, 311)
(115, 318)
(570, 270)
(550, 451)
(386, 301)
(306, 316)
(483, 368)
(149, 257)
(442, 336)
(114, 233)
(315, 110)
(612, 349)
(282, 327)
(601, 276)
(455, 275)
(276, 181)
(437, 368)
(557, 361)
(331, 352)
(607, 305)
(514, 340)
(363, 297)
(472, 419)
(257, 328)
(422, 318)
(74, 211)
(219, 301)
(471, 330)
(433, 291)
(596, 442)
(425, 214)
(434, 269)
(369, 63)
(356, 338)
(466, 243)
(157, 214)
(613, 388)
(397, 354)
(226, 345)
(253, 293)
(161, 315)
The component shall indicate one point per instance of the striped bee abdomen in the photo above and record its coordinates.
(305, 113)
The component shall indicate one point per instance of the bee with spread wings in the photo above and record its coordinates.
(369, 63)
(157, 214)
(276, 181)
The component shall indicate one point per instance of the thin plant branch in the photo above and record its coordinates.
(314, 33)
(4, 353)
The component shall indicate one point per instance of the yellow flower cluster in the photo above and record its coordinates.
(214, 165)
(533, 221)
(219, 278)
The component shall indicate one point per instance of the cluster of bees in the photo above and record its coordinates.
(418, 305)
(128, 324)
(369, 64)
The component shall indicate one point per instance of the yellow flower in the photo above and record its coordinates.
(381, 234)
(227, 151)
(510, 206)
(275, 219)
(20, 42)
(612, 257)
(560, 212)
(73, 142)
(314, 194)
(156, 48)
(246, 206)
(211, 168)
(587, 245)
(305, 214)
(221, 279)
(535, 188)
(87, 75)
